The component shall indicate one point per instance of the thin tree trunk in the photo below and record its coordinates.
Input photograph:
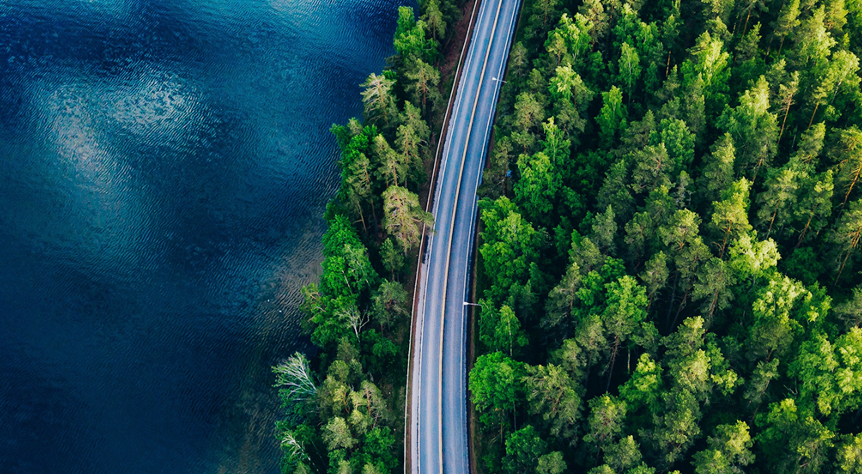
(757, 169)
(837, 86)
(681, 305)
(852, 183)
(769, 230)
(786, 112)
(724, 243)
(747, 18)
(853, 244)
(613, 360)
(813, 114)
(804, 230)
(760, 395)
(362, 219)
(712, 305)
(670, 303)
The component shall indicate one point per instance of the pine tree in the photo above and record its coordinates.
(730, 215)
(561, 300)
(714, 283)
(433, 18)
(753, 128)
(652, 168)
(606, 422)
(785, 95)
(410, 41)
(810, 145)
(625, 310)
(377, 95)
(728, 451)
(423, 85)
(612, 117)
(552, 395)
(654, 276)
(629, 69)
(786, 23)
(496, 388)
(815, 207)
(594, 12)
(528, 112)
(403, 218)
(778, 200)
(847, 153)
(718, 169)
(847, 234)
(615, 190)
(709, 63)
(640, 236)
(523, 450)
(537, 189)
(842, 66)
(604, 230)
(391, 166)
(794, 441)
(518, 60)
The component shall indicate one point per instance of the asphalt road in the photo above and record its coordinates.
(438, 423)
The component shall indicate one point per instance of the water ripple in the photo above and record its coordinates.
(165, 165)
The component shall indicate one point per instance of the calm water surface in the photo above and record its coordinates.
(163, 169)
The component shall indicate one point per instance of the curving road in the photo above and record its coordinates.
(438, 418)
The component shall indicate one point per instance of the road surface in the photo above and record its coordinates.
(438, 423)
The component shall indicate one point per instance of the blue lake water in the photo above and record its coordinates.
(164, 166)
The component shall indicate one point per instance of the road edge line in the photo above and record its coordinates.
(471, 263)
(454, 214)
(431, 192)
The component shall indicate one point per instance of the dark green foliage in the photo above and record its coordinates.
(410, 41)
(523, 450)
(343, 408)
(495, 383)
(552, 394)
(510, 245)
(683, 236)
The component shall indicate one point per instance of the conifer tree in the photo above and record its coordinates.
(612, 118)
(718, 169)
(433, 18)
(403, 218)
(423, 85)
(753, 128)
(551, 395)
(847, 234)
(779, 198)
(815, 206)
(787, 21)
(380, 108)
(847, 154)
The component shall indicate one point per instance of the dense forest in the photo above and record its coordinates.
(669, 260)
(344, 408)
